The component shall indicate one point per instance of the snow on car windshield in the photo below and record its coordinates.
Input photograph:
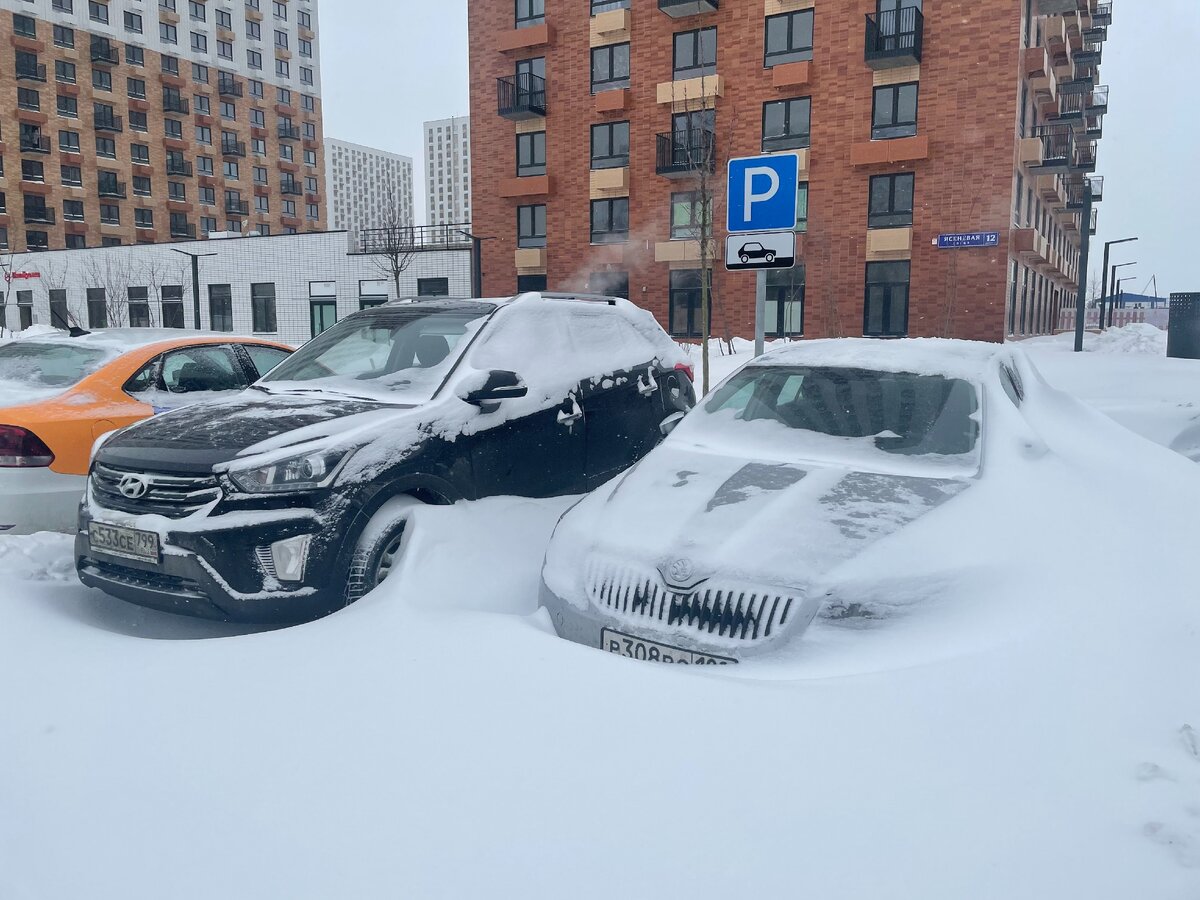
(34, 370)
(843, 415)
(396, 355)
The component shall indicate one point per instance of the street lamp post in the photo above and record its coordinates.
(1104, 274)
(195, 281)
(1113, 283)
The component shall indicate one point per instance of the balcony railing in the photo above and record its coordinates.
(291, 188)
(229, 87)
(35, 72)
(1058, 142)
(289, 133)
(1102, 15)
(521, 96)
(895, 38)
(104, 54)
(677, 9)
(179, 167)
(1097, 101)
(183, 230)
(109, 123)
(35, 143)
(111, 190)
(1090, 54)
(233, 148)
(39, 215)
(417, 237)
(683, 153)
(1077, 191)
(176, 105)
(1083, 159)
(237, 207)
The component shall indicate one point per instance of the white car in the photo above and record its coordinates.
(725, 541)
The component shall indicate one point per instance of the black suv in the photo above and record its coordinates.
(290, 500)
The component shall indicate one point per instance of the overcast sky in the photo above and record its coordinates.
(389, 65)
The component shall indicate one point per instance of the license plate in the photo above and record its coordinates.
(127, 543)
(639, 648)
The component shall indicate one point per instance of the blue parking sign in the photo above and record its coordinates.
(762, 193)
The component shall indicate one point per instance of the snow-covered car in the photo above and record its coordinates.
(724, 542)
(292, 499)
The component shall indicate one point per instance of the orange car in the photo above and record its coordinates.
(58, 394)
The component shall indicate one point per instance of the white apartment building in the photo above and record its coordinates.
(366, 187)
(448, 171)
(287, 287)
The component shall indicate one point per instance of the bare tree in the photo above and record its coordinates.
(393, 244)
(114, 276)
(54, 278)
(156, 272)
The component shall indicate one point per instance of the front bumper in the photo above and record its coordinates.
(39, 500)
(211, 571)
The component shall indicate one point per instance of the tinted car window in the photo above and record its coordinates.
(145, 379)
(199, 369)
(48, 365)
(265, 358)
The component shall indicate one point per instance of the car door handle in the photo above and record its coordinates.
(570, 418)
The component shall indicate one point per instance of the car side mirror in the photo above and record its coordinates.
(499, 385)
(667, 425)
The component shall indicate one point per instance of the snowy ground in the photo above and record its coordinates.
(1040, 739)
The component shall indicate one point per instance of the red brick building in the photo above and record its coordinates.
(599, 127)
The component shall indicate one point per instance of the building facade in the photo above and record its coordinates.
(288, 287)
(123, 121)
(367, 188)
(602, 131)
(448, 171)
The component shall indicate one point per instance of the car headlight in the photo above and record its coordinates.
(303, 472)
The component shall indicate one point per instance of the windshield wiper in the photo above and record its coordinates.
(296, 390)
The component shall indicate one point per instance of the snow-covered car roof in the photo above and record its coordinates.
(120, 340)
(936, 356)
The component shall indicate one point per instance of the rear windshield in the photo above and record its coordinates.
(844, 414)
(399, 357)
(43, 365)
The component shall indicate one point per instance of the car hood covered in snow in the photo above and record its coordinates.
(195, 438)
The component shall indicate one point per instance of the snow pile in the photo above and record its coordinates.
(1138, 338)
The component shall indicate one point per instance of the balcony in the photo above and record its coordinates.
(1083, 158)
(179, 167)
(678, 9)
(520, 97)
(1057, 148)
(183, 230)
(679, 155)
(176, 105)
(35, 142)
(1097, 101)
(290, 188)
(289, 133)
(237, 207)
(1093, 126)
(229, 87)
(895, 38)
(233, 148)
(1102, 15)
(35, 72)
(1030, 247)
(1089, 54)
(39, 215)
(109, 123)
(104, 53)
(1097, 34)
(111, 190)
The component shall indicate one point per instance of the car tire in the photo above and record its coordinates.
(380, 546)
(744, 258)
(770, 257)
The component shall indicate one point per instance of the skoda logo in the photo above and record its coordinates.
(681, 571)
(132, 486)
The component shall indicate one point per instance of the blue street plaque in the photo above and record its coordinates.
(968, 239)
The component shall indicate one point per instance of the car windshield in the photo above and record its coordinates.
(843, 415)
(398, 355)
(46, 368)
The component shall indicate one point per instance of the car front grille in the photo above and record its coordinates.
(156, 581)
(742, 613)
(173, 496)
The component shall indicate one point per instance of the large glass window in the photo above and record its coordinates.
(885, 311)
(689, 215)
(262, 308)
(531, 226)
(891, 201)
(610, 67)
(610, 220)
(785, 302)
(789, 38)
(895, 111)
(695, 53)
(220, 307)
(531, 153)
(786, 124)
(530, 12)
(685, 302)
(610, 145)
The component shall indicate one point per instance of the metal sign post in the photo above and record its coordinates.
(760, 311)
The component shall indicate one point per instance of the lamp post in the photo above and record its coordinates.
(195, 281)
(1104, 274)
(1118, 291)
(1113, 282)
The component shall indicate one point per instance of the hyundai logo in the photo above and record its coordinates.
(133, 486)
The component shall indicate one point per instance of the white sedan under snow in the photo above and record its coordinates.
(726, 541)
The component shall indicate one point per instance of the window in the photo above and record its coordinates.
(138, 121)
(262, 204)
(199, 73)
(64, 71)
(314, 211)
(789, 38)
(895, 112)
(170, 65)
(64, 36)
(530, 283)
(168, 33)
(262, 308)
(173, 129)
(110, 214)
(172, 306)
(208, 195)
(28, 99)
(68, 107)
(140, 154)
(139, 307)
(282, 69)
(256, 88)
(72, 175)
(304, 19)
(258, 118)
(220, 307)
(133, 22)
(68, 141)
(143, 218)
(281, 40)
(610, 145)
(253, 31)
(885, 312)
(229, 111)
(201, 102)
(531, 153)
(73, 210)
(610, 67)
(530, 12)
(802, 206)
(258, 146)
(24, 26)
(284, 96)
(688, 215)
(433, 287)
(231, 170)
(609, 283)
(136, 88)
(106, 147)
(280, 10)
(102, 79)
(310, 157)
(97, 307)
(685, 302)
(695, 53)
(199, 42)
(134, 56)
(786, 124)
(141, 185)
(204, 134)
(891, 201)
(260, 175)
(97, 12)
(531, 226)
(60, 317)
(63, 5)
(176, 190)
(196, 10)
(306, 74)
(610, 220)
(254, 59)
(308, 102)
(305, 50)
(785, 302)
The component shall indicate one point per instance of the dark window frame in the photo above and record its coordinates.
(895, 128)
(263, 309)
(430, 287)
(611, 207)
(610, 160)
(791, 138)
(690, 295)
(528, 145)
(893, 216)
(893, 291)
(611, 82)
(529, 13)
(528, 214)
(794, 52)
(699, 66)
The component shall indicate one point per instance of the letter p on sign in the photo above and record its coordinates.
(762, 193)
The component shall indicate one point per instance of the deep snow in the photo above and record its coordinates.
(1035, 738)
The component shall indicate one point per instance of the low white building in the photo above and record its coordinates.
(288, 287)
